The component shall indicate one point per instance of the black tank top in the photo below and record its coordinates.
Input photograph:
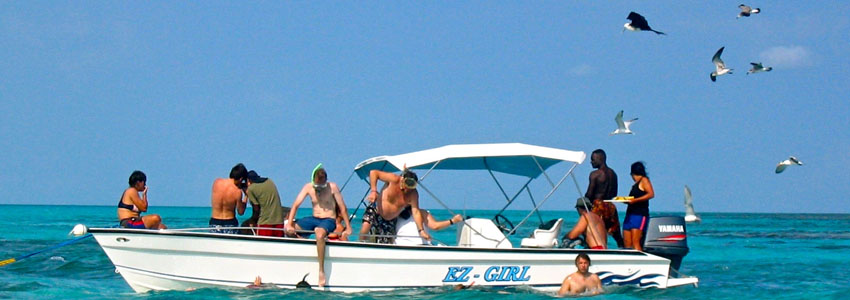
(640, 208)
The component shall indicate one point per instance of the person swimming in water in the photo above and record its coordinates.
(582, 281)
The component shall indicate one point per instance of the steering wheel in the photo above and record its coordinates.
(503, 223)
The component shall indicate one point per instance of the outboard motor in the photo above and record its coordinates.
(667, 237)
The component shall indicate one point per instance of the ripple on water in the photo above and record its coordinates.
(785, 235)
(21, 286)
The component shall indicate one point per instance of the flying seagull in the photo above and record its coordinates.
(746, 11)
(690, 214)
(757, 67)
(785, 163)
(638, 23)
(718, 63)
(622, 127)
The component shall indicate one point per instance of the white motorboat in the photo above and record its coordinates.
(180, 259)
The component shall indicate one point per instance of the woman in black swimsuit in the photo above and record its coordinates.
(637, 214)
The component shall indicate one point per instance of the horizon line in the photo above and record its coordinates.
(677, 212)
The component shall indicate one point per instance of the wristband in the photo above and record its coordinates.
(451, 222)
(421, 230)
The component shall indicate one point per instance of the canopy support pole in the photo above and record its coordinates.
(552, 191)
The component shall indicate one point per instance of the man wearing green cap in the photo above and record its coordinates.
(325, 198)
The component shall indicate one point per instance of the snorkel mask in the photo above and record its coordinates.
(409, 179)
(319, 187)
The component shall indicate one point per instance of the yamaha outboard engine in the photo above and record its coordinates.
(667, 237)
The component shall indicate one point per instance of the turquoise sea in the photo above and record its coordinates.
(735, 255)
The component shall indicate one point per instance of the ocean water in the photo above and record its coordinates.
(758, 256)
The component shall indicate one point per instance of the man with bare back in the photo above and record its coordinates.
(591, 226)
(379, 219)
(227, 200)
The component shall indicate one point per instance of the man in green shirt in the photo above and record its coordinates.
(264, 197)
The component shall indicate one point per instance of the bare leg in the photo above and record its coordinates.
(364, 230)
(635, 237)
(153, 221)
(627, 238)
(321, 234)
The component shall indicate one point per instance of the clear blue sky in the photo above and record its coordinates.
(90, 91)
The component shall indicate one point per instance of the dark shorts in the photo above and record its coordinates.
(383, 231)
(268, 232)
(310, 223)
(220, 226)
(633, 221)
(132, 222)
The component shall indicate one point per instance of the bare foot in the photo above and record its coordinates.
(322, 280)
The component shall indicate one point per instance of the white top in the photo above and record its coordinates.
(510, 158)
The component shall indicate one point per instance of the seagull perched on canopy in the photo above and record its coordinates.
(785, 163)
(757, 67)
(622, 126)
(718, 63)
(746, 11)
(638, 23)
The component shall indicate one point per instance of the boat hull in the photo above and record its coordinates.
(178, 260)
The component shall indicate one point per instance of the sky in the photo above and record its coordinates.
(90, 91)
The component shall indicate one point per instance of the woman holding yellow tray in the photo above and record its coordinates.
(637, 213)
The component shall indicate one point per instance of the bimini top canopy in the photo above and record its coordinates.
(510, 158)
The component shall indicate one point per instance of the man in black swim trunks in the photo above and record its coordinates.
(228, 199)
(399, 191)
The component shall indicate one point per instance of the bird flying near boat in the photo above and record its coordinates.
(746, 11)
(690, 214)
(788, 162)
(720, 67)
(622, 126)
(758, 67)
(638, 23)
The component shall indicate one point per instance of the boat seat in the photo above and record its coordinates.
(481, 233)
(544, 237)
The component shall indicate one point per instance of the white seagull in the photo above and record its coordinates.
(719, 65)
(746, 11)
(622, 126)
(638, 23)
(757, 67)
(690, 214)
(785, 163)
